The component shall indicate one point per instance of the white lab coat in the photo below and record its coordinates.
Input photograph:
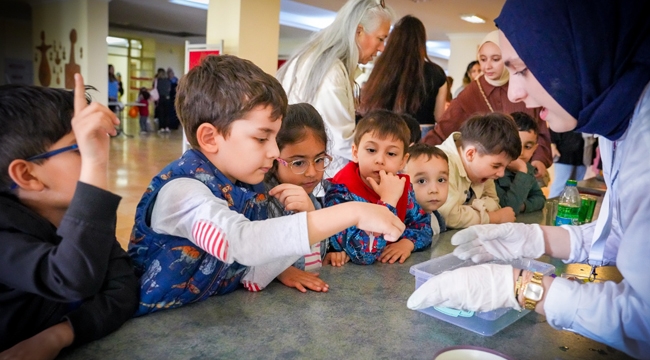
(615, 314)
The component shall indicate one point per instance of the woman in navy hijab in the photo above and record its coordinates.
(587, 63)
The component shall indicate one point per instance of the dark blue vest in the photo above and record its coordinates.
(174, 271)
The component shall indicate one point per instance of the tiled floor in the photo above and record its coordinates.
(133, 162)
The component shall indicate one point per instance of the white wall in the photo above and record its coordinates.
(170, 55)
(463, 50)
(56, 20)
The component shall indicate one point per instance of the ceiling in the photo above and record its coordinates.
(173, 22)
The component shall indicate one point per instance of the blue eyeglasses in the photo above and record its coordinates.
(47, 155)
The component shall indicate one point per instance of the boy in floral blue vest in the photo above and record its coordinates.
(198, 229)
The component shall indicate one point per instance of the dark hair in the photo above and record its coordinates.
(145, 93)
(422, 149)
(384, 124)
(300, 119)
(161, 73)
(466, 78)
(450, 82)
(223, 89)
(400, 90)
(32, 118)
(111, 76)
(525, 122)
(414, 128)
(492, 134)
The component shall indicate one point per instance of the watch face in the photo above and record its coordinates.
(534, 292)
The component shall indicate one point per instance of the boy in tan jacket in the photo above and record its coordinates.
(478, 155)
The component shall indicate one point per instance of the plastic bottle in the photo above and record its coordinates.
(568, 208)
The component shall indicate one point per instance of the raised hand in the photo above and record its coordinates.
(92, 124)
(389, 188)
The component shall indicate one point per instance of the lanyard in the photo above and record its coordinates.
(603, 228)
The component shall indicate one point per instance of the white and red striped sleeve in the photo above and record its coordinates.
(209, 237)
(187, 208)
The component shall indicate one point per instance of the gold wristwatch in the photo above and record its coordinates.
(533, 291)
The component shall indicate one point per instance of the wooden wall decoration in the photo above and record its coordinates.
(44, 72)
(56, 53)
(71, 67)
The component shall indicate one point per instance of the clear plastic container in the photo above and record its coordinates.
(483, 323)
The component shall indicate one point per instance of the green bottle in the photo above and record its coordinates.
(568, 207)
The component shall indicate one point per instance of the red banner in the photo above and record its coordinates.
(196, 56)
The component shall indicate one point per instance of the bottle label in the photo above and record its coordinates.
(565, 221)
(567, 215)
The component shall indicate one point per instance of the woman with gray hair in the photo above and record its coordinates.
(322, 71)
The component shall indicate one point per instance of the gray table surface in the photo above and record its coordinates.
(363, 316)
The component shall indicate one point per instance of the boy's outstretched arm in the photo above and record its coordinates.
(193, 212)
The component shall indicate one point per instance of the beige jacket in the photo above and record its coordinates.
(456, 214)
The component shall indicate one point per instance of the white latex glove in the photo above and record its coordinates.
(482, 287)
(507, 241)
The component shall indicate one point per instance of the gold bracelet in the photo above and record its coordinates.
(518, 284)
(522, 287)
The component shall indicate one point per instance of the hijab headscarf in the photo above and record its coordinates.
(493, 37)
(593, 57)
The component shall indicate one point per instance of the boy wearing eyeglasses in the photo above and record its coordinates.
(201, 227)
(379, 153)
(64, 279)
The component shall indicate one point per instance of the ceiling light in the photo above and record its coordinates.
(303, 16)
(199, 4)
(473, 19)
(116, 41)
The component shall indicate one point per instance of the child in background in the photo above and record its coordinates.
(302, 141)
(478, 155)
(428, 168)
(195, 232)
(64, 279)
(143, 99)
(518, 188)
(414, 128)
(379, 153)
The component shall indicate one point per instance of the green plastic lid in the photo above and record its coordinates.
(571, 183)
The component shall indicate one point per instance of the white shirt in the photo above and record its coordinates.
(615, 314)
